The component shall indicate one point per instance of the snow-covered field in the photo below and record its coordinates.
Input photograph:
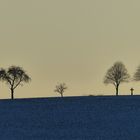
(71, 118)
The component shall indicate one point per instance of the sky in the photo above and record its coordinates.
(70, 41)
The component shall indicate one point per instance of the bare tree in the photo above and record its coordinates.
(137, 74)
(14, 77)
(116, 75)
(60, 88)
(2, 74)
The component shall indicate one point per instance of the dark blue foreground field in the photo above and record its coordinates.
(71, 118)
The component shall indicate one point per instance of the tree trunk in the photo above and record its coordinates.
(12, 93)
(117, 90)
(61, 94)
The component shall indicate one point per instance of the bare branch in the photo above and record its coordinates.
(137, 74)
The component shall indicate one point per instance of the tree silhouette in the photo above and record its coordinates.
(116, 75)
(60, 88)
(2, 74)
(14, 77)
(137, 74)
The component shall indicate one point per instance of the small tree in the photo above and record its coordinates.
(116, 75)
(137, 74)
(60, 88)
(14, 77)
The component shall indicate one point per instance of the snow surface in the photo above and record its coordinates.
(71, 118)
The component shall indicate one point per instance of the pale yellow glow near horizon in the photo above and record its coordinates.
(71, 41)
